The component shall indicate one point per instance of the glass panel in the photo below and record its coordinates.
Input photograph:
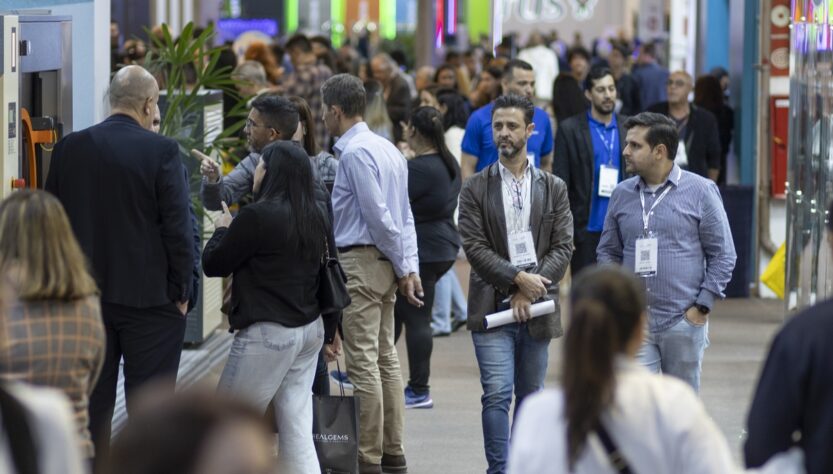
(809, 190)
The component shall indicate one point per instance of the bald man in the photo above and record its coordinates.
(699, 149)
(127, 199)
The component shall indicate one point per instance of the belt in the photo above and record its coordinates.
(354, 247)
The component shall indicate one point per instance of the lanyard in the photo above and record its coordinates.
(517, 191)
(608, 146)
(647, 216)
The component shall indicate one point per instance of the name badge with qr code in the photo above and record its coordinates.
(608, 179)
(522, 249)
(645, 263)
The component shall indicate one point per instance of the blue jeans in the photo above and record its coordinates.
(449, 302)
(677, 351)
(509, 358)
(267, 362)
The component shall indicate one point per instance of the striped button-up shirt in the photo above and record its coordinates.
(696, 254)
(370, 198)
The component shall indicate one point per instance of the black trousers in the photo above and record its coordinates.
(150, 340)
(585, 253)
(417, 323)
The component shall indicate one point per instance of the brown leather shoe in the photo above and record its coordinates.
(367, 468)
(394, 464)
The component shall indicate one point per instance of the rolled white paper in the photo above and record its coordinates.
(505, 317)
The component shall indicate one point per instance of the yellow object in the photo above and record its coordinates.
(775, 274)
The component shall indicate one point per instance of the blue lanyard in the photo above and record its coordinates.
(608, 145)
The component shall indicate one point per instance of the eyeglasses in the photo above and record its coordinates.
(251, 124)
(677, 82)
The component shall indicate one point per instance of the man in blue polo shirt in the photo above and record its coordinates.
(479, 149)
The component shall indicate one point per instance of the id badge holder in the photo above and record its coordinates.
(608, 179)
(645, 260)
(522, 249)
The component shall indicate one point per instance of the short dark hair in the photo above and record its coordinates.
(451, 55)
(515, 64)
(493, 71)
(649, 48)
(279, 113)
(347, 92)
(514, 101)
(596, 73)
(299, 42)
(578, 51)
(661, 131)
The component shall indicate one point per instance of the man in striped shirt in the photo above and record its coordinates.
(669, 226)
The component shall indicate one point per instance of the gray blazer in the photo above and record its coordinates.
(483, 228)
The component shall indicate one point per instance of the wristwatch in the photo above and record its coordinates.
(703, 309)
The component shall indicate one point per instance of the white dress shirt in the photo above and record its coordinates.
(517, 199)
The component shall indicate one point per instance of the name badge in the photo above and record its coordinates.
(645, 263)
(608, 179)
(522, 249)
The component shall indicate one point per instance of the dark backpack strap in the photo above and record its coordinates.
(16, 426)
(617, 460)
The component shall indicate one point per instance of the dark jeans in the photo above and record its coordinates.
(417, 321)
(585, 253)
(150, 340)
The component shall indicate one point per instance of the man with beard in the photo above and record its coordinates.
(272, 118)
(588, 148)
(517, 232)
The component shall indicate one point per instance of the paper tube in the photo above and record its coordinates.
(505, 317)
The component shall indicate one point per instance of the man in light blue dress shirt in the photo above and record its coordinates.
(669, 227)
(376, 239)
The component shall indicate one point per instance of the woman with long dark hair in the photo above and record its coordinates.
(709, 95)
(324, 164)
(274, 248)
(433, 187)
(609, 405)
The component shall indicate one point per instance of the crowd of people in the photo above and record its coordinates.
(511, 162)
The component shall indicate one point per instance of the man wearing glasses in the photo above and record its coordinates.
(699, 148)
(272, 118)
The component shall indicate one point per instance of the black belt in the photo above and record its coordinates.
(354, 247)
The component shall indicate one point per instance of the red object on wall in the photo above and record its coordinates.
(779, 113)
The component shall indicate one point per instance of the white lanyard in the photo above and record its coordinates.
(647, 216)
(608, 146)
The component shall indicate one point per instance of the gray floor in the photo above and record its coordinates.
(448, 438)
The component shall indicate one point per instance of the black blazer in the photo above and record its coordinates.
(573, 162)
(702, 138)
(127, 199)
(272, 282)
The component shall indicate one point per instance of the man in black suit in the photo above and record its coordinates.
(588, 157)
(699, 149)
(126, 197)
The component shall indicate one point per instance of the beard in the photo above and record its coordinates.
(509, 148)
(605, 108)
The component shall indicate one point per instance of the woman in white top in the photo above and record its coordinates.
(656, 423)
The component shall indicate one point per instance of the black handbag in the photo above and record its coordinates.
(335, 432)
(332, 284)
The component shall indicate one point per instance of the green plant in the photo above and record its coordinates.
(185, 67)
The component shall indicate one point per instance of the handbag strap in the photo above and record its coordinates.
(617, 460)
(340, 383)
